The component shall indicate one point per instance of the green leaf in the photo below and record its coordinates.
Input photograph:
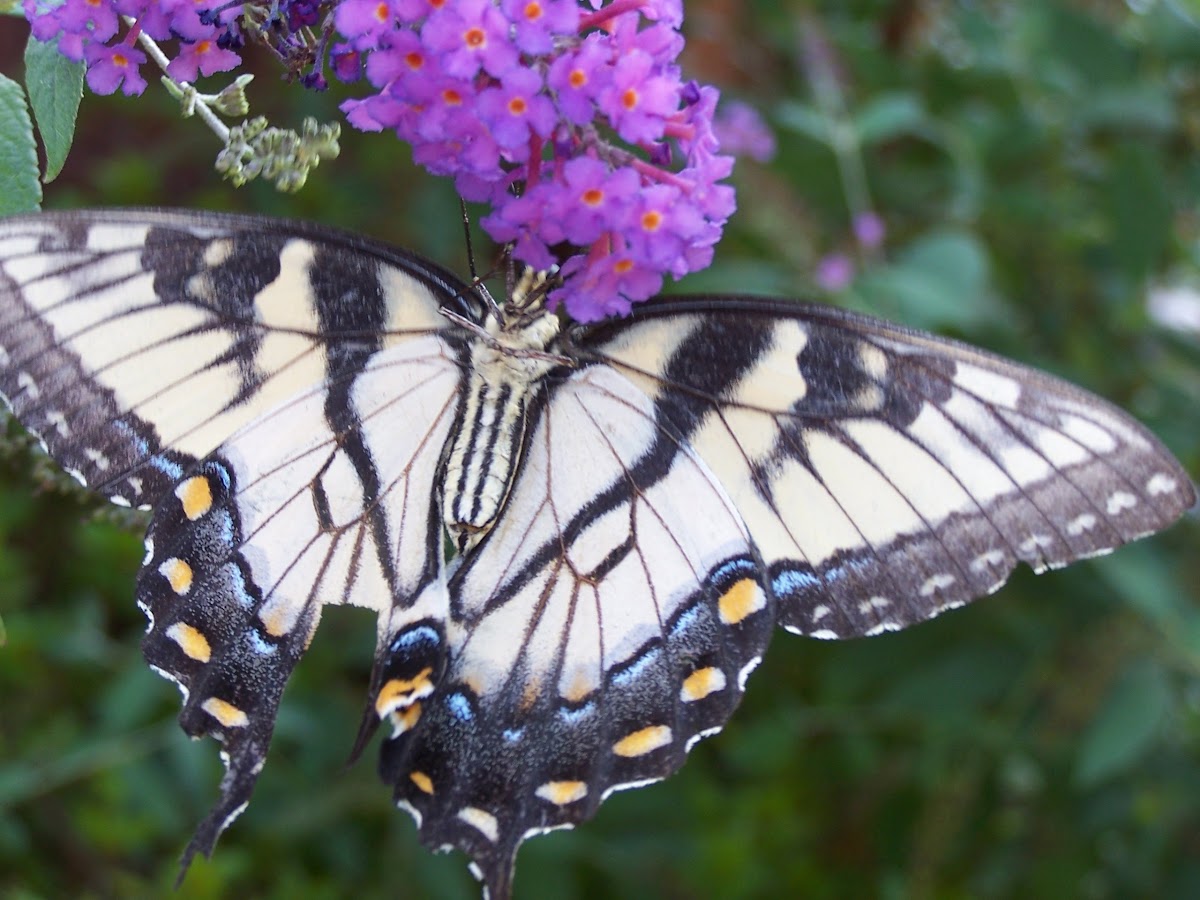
(20, 190)
(1140, 210)
(1126, 725)
(11, 8)
(941, 280)
(806, 120)
(889, 116)
(55, 86)
(1128, 108)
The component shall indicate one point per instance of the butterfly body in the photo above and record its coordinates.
(636, 503)
(507, 362)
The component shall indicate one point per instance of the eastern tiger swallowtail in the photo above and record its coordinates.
(637, 503)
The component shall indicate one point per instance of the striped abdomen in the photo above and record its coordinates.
(483, 455)
(507, 366)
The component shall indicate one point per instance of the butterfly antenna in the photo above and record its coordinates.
(466, 220)
(477, 284)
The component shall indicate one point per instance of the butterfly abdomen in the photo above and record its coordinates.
(506, 372)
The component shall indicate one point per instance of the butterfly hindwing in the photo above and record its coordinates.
(607, 623)
(885, 474)
(288, 516)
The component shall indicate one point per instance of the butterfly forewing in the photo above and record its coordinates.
(884, 474)
(134, 342)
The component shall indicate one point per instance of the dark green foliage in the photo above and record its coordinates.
(1035, 165)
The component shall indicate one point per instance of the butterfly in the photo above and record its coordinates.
(634, 505)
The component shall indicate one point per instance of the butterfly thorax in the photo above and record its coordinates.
(508, 362)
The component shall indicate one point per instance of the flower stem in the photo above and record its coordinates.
(201, 104)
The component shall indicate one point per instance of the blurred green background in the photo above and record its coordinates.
(1036, 166)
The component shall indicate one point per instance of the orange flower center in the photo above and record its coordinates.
(381, 12)
(621, 266)
(517, 106)
(414, 60)
(533, 11)
(629, 99)
(577, 79)
(120, 60)
(592, 196)
(475, 38)
(651, 220)
(203, 46)
(452, 97)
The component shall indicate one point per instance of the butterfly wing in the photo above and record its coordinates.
(280, 393)
(606, 623)
(133, 342)
(885, 474)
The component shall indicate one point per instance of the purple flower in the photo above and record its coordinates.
(579, 77)
(538, 21)
(835, 272)
(606, 285)
(301, 13)
(346, 62)
(660, 227)
(95, 17)
(592, 199)
(110, 67)
(529, 223)
(377, 112)
(471, 34)
(637, 101)
(203, 57)
(742, 132)
(364, 22)
(516, 108)
(869, 230)
(405, 57)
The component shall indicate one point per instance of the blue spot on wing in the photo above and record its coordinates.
(460, 707)
(573, 715)
(635, 668)
(686, 619)
(733, 570)
(422, 634)
(791, 582)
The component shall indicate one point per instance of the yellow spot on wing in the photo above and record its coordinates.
(404, 720)
(225, 713)
(178, 574)
(421, 780)
(277, 618)
(196, 497)
(560, 793)
(642, 742)
(581, 685)
(742, 600)
(191, 641)
(701, 683)
(403, 691)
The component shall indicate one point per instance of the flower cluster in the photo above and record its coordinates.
(87, 31)
(571, 119)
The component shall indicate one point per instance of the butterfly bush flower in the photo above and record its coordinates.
(571, 119)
